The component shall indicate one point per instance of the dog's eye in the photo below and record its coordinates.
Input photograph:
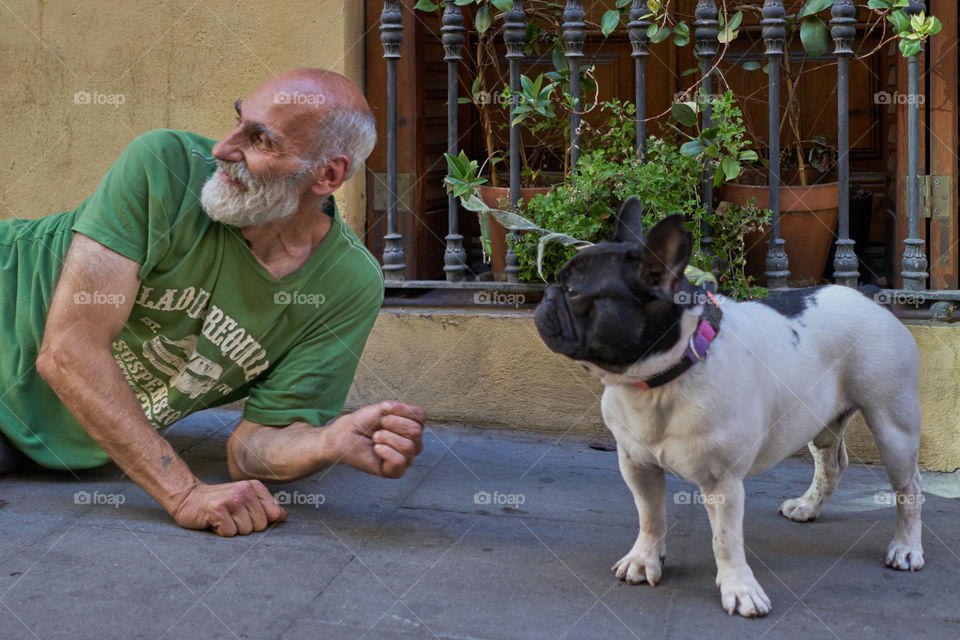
(570, 291)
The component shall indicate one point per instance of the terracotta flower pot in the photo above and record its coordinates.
(808, 218)
(499, 198)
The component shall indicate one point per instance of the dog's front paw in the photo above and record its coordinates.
(640, 566)
(744, 595)
(799, 510)
(904, 557)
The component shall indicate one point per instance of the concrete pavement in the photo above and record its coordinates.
(490, 535)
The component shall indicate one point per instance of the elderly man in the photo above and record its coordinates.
(197, 274)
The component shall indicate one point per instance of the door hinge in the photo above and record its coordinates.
(935, 197)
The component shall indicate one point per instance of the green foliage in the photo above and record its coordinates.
(731, 224)
(721, 147)
(462, 176)
(608, 173)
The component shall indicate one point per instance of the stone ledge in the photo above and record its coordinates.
(490, 368)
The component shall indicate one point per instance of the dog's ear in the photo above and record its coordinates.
(630, 221)
(665, 254)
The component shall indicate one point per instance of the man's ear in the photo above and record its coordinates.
(630, 221)
(328, 176)
(665, 254)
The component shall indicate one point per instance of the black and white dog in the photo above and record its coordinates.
(714, 390)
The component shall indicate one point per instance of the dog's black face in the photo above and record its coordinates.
(613, 304)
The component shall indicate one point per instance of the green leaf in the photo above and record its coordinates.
(916, 21)
(609, 22)
(878, 4)
(425, 5)
(735, 21)
(900, 21)
(464, 100)
(622, 3)
(684, 114)
(813, 6)
(730, 167)
(910, 48)
(661, 35)
(815, 36)
(933, 25)
(751, 66)
(688, 72)
(559, 60)
(502, 5)
(681, 34)
(483, 21)
(749, 155)
(692, 148)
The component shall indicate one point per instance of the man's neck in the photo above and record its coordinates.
(284, 246)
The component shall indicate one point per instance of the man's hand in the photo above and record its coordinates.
(235, 508)
(382, 439)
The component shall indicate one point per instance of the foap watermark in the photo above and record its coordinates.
(499, 298)
(98, 297)
(915, 298)
(888, 498)
(114, 500)
(97, 98)
(296, 297)
(699, 97)
(685, 497)
(885, 97)
(494, 97)
(497, 498)
(285, 498)
(299, 97)
(691, 297)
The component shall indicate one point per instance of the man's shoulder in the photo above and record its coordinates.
(356, 262)
(171, 148)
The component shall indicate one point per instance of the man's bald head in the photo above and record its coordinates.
(326, 111)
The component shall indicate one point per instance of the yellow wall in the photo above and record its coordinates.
(177, 64)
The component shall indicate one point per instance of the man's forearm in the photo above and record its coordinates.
(92, 387)
(277, 454)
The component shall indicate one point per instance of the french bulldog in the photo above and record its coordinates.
(715, 390)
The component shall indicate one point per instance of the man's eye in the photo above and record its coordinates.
(260, 141)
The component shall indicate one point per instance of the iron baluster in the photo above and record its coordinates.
(774, 33)
(391, 36)
(454, 257)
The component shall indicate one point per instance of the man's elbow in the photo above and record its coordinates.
(51, 361)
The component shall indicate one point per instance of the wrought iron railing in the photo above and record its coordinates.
(843, 30)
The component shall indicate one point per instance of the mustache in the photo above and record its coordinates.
(241, 173)
(237, 171)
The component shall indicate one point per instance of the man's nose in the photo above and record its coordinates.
(230, 148)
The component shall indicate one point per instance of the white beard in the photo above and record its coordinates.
(258, 202)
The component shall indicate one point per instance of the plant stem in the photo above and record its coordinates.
(793, 121)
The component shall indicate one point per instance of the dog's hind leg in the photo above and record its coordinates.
(896, 429)
(830, 459)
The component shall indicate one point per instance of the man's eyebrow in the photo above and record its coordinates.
(256, 126)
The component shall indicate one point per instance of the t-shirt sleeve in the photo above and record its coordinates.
(132, 209)
(310, 382)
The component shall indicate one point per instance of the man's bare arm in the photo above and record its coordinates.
(382, 439)
(76, 361)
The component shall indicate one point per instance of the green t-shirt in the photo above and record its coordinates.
(209, 326)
